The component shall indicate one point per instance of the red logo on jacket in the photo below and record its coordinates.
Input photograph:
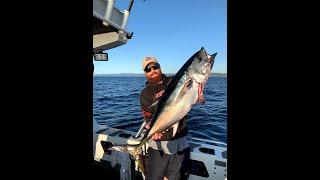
(159, 94)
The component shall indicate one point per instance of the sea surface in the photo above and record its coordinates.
(116, 103)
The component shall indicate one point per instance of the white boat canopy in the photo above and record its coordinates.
(109, 25)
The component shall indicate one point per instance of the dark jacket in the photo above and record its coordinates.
(149, 95)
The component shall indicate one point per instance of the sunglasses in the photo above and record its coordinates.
(153, 66)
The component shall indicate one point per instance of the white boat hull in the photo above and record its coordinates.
(208, 161)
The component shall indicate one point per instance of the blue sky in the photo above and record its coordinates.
(172, 31)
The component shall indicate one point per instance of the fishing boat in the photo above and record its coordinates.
(208, 158)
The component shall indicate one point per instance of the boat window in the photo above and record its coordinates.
(198, 168)
(207, 150)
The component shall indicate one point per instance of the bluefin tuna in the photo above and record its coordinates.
(184, 90)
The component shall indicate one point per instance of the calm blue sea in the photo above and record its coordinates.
(116, 104)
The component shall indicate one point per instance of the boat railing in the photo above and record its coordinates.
(109, 26)
(110, 15)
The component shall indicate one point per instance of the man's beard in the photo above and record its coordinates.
(155, 77)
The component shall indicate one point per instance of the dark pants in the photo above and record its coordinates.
(174, 167)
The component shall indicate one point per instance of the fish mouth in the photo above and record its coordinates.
(211, 58)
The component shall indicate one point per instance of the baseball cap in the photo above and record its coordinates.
(148, 60)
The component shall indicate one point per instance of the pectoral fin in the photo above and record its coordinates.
(185, 88)
(175, 127)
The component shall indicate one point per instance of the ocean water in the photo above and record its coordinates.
(116, 103)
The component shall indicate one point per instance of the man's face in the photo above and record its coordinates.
(153, 72)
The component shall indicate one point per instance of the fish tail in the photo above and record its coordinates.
(141, 164)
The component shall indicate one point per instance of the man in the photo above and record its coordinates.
(167, 156)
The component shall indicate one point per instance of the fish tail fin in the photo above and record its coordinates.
(141, 163)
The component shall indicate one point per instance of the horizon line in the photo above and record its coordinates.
(143, 73)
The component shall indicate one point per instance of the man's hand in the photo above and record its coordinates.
(147, 126)
(156, 136)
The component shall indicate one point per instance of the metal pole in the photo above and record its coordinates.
(140, 130)
(130, 5)
(109, 9)
(125, 19)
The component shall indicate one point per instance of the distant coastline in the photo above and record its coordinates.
(142, 75)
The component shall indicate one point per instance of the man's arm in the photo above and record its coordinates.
(147, 112)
